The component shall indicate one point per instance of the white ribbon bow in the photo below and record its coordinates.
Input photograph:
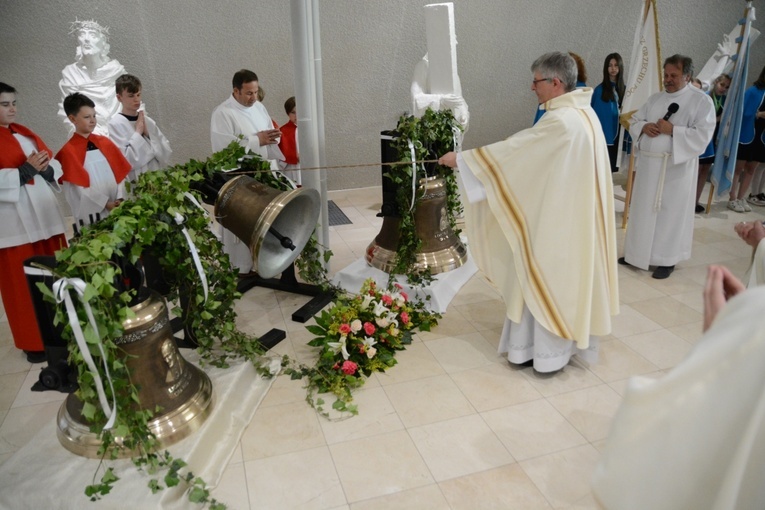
(61, 291)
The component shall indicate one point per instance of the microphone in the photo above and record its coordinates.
(671, 109)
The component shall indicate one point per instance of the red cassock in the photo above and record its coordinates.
(13, 283)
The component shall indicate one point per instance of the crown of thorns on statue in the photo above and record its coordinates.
(77, 26)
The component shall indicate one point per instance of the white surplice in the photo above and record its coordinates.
(695, 438)
(144, 153)
(91, 201)
(29, 213)
(660, 230)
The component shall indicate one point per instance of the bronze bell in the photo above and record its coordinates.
(440, 251)
(182, 391)
(276, 225)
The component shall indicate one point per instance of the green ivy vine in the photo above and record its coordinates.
(145, 224)
(432, 136)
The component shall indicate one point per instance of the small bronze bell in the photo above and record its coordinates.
(165, 379)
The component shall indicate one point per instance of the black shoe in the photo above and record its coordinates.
(623, 262)
(663, 272)
(699, 209)
(35, 356)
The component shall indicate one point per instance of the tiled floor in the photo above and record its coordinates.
(453, 425)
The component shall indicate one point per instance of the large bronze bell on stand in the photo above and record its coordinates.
(441, 250)
(276, 225)
(165, 379)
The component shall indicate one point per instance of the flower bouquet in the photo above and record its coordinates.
(359, 335)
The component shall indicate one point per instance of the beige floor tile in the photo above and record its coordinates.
(476, 290)
(22, 423)
(662, 348)
(459, 447)
(690, 332)
(617, 361)
(503, 488)
(589, 410)
(463, 352)
(494, 386)
(428, 400)
(452, 323)
(428, 497)
(281, 429)
(379, 465)
(305, 479)
(693, 300)
(283, 391)
(376, 416)
(484, 315)
(12, 360)
(631, 322)
(572, 377)
(633, 289)
(563, 477)
(532, 429)
(416, 362)
(10, 384)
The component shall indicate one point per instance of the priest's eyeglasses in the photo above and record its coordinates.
(541, 79)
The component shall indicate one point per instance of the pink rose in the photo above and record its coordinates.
(387, 299)
(369, 328)
(405, 317)
(345, 329)
(349, 367)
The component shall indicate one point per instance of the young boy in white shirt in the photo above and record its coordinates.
(135, 133)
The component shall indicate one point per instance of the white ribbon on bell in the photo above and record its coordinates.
(61, 290)
(193, 249)
(414, 174)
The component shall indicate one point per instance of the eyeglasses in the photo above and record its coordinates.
(541, 79)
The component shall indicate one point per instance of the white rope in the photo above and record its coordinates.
(61, 291)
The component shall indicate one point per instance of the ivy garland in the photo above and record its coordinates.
(146, 223)
(432, 136)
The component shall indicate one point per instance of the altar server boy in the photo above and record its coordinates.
(135, 133)
(94, 168)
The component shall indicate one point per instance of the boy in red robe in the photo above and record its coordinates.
(94, 168)
(31, 224)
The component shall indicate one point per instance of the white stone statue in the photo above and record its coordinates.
(93, 73)
(435, 83)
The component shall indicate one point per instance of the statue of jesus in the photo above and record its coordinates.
(93, 73)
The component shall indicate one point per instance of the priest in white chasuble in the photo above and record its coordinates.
(540, 223)
(672, 129)
(243, 115)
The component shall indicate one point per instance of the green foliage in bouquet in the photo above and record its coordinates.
(358, 335)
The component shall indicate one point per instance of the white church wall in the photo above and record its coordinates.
(185, 52)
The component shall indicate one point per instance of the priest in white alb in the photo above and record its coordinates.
(539, 216)
(672, 129)
(243, 118)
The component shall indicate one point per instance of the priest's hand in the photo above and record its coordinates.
(665, 127)
(651, 129)
(752, 232)
(449, 159)
(720, 286)
(268, 136)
